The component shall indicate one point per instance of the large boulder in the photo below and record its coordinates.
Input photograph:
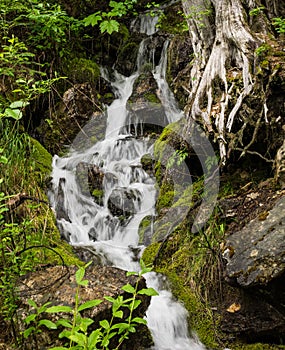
(123, 202)
(255, 269)
(57, 285)
(256, 254)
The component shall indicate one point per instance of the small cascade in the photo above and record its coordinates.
(110, 226)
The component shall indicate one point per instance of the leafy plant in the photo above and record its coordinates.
(177, 158)
(256, 11)
(279, 24)
(77, 329)
(108, 21)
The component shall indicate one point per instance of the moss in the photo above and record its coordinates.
(80, 70)
(151, 97)
(97, 193)
(150, 252)
(144, 225)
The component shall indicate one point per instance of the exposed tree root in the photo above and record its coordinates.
(223, 72)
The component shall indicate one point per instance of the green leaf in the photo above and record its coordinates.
(49, 324)
(131, 273)
(135, 305)
(89, 304)
(28, 331)
(13, 113)
(64, 323)
(59, 308)
(18, 104)
(139, 320)
(129, 289)
(112, 300)
(85, 323)
(148, 291)
(30, 318)
(92, 20)
(79, 275)
(105, 324)
(78, 338)
(94, 338)
(32, 303)
(59, 348)
(109, 26)
(118, 314)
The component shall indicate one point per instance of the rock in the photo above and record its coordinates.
(256, 254)
(90, 179)
(57, 285)
(255, 264)
(123, 202)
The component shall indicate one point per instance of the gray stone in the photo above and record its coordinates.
(256, 254)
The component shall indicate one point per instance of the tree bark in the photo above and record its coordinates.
(225, 66)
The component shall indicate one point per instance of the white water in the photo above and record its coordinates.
(92, 225)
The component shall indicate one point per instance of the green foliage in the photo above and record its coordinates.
(77, 328)
(256, 11)
(108, 21)
(279, 24)
(262, 50)
(24, 82)
(177, 158)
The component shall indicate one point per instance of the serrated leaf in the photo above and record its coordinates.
(109, 26)
(148, 291)
(59, 308)
(92, 20)
(49, 324)
(89, 304)
(129, 289)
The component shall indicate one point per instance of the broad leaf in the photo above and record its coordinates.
(148, 291)
(59, 308)
(129, 289)
(105, 324)
(13, 113)
(49, 324)
(89, 304)
(92, 20)
(109, 26)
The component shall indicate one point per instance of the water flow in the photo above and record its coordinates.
(115, 237)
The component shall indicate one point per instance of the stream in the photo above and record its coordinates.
(118, 154)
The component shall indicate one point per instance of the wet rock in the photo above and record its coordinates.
(148, 162)
(90, 179)
(123, 202)
(60, 208)
(256, 254)
(80, 104)
(57, 285)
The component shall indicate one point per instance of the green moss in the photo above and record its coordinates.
(41, 157)
(144, 224)
(81, 70)
(150, 252)
(151, 97)
(97, 193)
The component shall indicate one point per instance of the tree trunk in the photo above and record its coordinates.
(230, 48)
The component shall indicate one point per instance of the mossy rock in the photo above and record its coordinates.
(81, 70)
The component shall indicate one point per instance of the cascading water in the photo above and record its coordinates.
(92, 224)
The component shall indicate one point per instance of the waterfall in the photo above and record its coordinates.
(85, 222)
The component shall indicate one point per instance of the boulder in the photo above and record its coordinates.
(123, 202)
(255, 267)
(256, 254)
(57, 285)
(90, 178)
